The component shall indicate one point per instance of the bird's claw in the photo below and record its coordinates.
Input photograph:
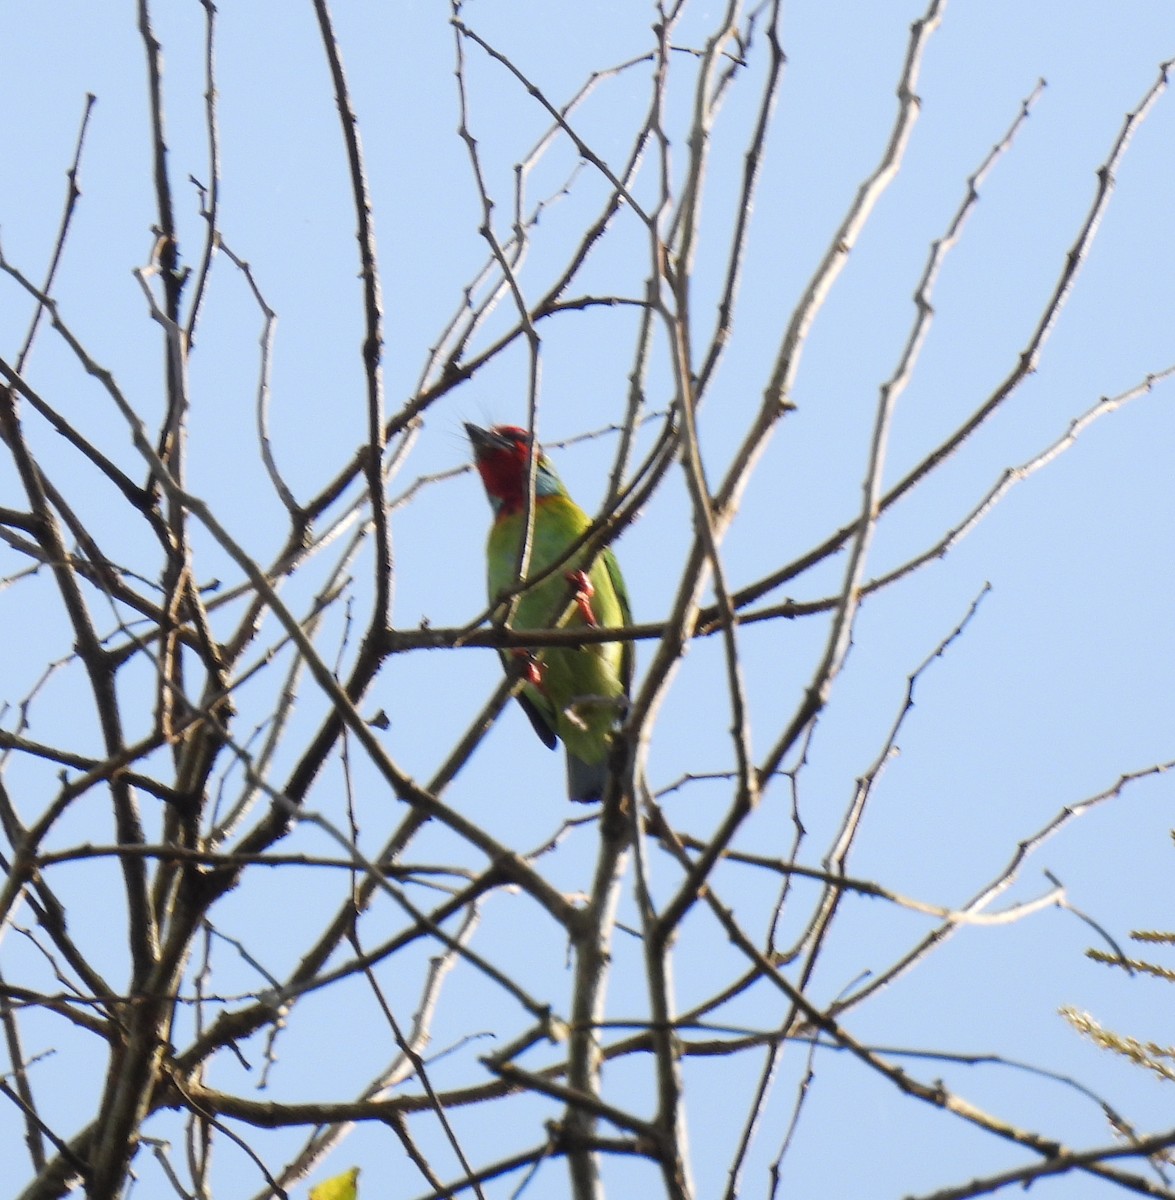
(529, 667)
(584, 591)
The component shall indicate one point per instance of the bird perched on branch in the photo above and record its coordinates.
(573, 694)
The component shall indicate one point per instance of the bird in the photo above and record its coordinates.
(573, 694)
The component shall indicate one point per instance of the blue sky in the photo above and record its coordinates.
(1060, 684)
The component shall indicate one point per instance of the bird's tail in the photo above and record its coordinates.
(585, 780)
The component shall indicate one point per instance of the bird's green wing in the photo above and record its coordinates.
(617, 579)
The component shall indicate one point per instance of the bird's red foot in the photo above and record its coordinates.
(529, 667)
(583, 596)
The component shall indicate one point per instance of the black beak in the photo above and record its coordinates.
(480, 438)
(489, 439)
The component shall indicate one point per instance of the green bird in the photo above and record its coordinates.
(573, 694)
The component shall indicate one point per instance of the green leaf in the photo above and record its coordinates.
(341, 1187)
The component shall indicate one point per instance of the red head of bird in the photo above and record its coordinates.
(502, 455)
